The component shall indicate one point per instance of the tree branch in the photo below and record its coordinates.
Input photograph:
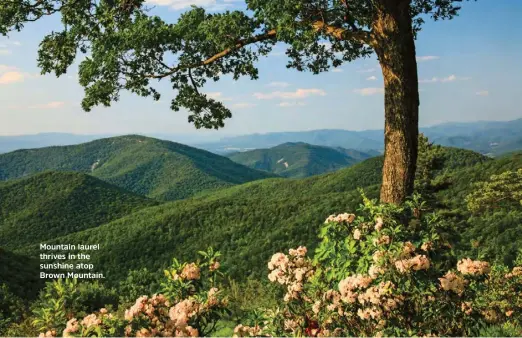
(320, 26)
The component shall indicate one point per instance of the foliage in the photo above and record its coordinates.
(388, 271)
(25, 283)
(11, 308)
(246, 222)
(146, 166)
(299, 159)
(128, 48)
(42, 207)
(501, 191)
(385, 273)
(191, 304)
(138, 283)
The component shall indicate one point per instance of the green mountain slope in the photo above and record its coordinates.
(20, 273)
(299, 159)
(52, 204)
(158, 169)
(248, 222)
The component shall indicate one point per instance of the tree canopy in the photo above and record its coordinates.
(128, 49)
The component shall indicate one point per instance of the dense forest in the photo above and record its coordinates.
(150, 167)
(299, 160)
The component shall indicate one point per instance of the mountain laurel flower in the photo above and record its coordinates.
(191, 272)
(466, 308)
(419, 262)
(452, 282)
(509, 313)
(316, 307)
(291, 325)
(214, 266)
(382, 240)
(300, 251)
(71, 327)
(469, 267)
(517, 271)
(279, 260)
(348, 218)
(182, 311)
(49, 333)
(427, 246)
(379, 222)
(357, 234)
(91, 320)
(354, 282)
(377, 256)
(375, 271)
(408, 248)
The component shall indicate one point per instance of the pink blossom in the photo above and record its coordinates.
(468, 267)
(191, 272)
(452, 282)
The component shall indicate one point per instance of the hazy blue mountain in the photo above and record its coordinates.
(327, 137)
(486, 137)
(299, 159)
(11, 143)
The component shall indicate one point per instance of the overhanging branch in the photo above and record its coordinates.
(339, 33)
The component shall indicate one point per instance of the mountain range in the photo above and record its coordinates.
(300, 159)
(486, 137)
(247, 219)
(149, 167)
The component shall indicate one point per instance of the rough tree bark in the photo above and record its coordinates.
(394, 44)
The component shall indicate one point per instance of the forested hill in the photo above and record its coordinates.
(150, 167)
(53, 204)
(249, 222)
(299, 159)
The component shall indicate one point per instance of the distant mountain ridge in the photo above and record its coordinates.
(299, 159)
(149, 167)
(486, 137)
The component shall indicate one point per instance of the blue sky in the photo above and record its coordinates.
(469, 69)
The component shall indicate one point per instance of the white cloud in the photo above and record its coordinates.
(291, 104)
(371, 78)
(427, 58)
(369, 91)
(5, 52)
(243, 105)
(6, 68)
(368, 70)
(451, 78)
(482, 93)
(211, 5)
(279, 84)
(218, 96)
(298, 94)
(11, 76)
(337, 70)
(49, 105)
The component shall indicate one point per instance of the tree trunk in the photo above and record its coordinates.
(394, 44)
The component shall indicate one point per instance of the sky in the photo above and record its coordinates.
(469, 70)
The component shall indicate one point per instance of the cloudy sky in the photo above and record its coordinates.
(469, 70)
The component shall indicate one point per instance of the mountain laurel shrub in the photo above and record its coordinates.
(387, 271)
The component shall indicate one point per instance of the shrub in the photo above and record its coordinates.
(387, 271)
